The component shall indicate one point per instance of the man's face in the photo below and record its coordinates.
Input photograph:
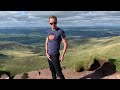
(53, 23)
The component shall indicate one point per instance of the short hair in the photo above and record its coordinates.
(53, 17)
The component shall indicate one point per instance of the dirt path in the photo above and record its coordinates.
(98, 70)
(71, 74)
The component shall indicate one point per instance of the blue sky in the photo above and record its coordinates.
(65, 18)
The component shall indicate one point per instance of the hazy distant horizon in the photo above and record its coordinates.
(50, 27)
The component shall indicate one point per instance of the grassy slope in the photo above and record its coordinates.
(84, 53)
(20, 59)
(80, 53)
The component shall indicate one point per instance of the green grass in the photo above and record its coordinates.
(19, 65)
(84, 53)
(21, 60)
(24, 76)
(80, 53)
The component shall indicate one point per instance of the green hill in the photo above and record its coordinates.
(83, 54)
(13, 46)
(18, 58)
(3, 56)
(80, 53)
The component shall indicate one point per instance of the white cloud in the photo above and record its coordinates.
(40, 18)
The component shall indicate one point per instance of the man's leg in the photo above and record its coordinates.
(56, 63)
(52, 69)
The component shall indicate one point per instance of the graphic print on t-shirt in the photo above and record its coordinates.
(51, 37)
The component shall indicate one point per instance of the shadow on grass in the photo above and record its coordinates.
(106, 69)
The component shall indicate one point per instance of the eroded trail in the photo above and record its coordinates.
(70, 74)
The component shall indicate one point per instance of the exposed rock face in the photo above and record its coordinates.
(4, 76)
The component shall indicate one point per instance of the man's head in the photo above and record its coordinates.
(53, 22)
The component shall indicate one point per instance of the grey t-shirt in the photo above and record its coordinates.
(54, 40)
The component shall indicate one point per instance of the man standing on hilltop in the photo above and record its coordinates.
(52, 46)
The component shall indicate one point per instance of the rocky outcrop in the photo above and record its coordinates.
(4, 76)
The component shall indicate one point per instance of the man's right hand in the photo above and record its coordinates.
(48, 56)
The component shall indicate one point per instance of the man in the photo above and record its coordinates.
(52, 46)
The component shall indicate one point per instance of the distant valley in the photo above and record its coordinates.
(22, 49)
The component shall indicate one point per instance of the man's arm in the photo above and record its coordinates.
(64, 40)
(46, 45)
(46, 48)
